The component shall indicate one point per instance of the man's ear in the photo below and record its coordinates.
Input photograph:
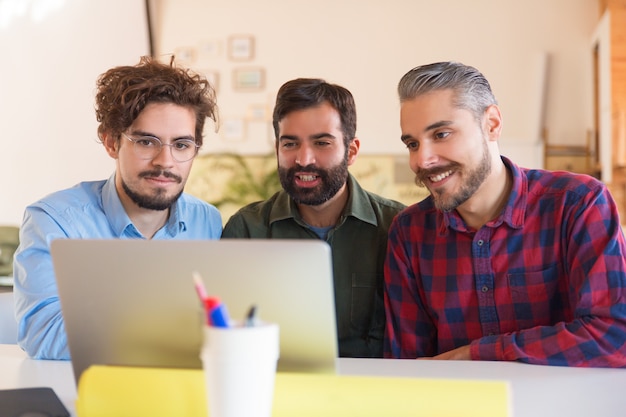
(110, 144)
(353, 150)
(493, 122)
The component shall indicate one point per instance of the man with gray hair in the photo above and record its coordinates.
(499, 262)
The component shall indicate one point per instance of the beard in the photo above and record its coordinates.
(159, 200)
(474, 179)
(331, 182)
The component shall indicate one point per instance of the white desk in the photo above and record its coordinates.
(17, 371)
(537, 390)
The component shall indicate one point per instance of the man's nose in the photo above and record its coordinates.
(305, 156)
(165, 158)
(424, 157)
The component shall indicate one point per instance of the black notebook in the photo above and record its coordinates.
(31, 402)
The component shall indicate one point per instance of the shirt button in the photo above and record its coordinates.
(484, 288)
(480, 242)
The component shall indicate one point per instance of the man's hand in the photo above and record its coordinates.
(459, 354)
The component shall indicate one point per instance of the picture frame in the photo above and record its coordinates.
(241, 47)
(185, 55)
(210, 48)
(258, 112)
(249, 79)
(213, 77)
(233, 129)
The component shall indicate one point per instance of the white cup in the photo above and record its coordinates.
(239, 365)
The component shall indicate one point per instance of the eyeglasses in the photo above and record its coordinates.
(148, 147)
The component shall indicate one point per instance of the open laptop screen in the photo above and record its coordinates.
(133, 302)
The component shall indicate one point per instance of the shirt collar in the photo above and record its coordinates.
(357, 206)
(359, 203)
(121, 223)
(515, 210)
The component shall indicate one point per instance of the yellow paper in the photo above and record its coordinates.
(312, 395)
(117, 391)
(124, 391)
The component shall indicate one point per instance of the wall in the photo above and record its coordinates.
(367, 45)
(52, 53)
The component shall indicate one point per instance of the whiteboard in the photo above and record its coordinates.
(52, 53)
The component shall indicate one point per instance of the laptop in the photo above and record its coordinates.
(134, 303)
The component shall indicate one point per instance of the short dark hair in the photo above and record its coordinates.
(123, 92)
(471, 89)
(303, 93)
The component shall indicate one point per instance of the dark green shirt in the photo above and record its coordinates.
(358, 244)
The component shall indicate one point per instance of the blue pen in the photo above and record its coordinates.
(218, 315)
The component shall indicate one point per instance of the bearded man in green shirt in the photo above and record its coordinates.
(315, 126)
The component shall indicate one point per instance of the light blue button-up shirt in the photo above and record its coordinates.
(89, 210)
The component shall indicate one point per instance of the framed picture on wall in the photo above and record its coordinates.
(213, 77)
(241, 47)
(249, 79)
(258, 112)
(210, 48)
(185, 55)
(233, 129)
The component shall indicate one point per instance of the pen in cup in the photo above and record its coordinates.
(215, 310)
(251, 317)
(199, 285)
(218, 315)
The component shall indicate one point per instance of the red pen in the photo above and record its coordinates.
(216, 313)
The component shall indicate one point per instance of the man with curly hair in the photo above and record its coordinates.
(151, 118)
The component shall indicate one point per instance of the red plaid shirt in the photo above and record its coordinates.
(543, 283)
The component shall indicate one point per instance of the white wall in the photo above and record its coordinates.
(367, 45)
(52, 53)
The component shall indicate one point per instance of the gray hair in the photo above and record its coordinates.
(471, 89)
